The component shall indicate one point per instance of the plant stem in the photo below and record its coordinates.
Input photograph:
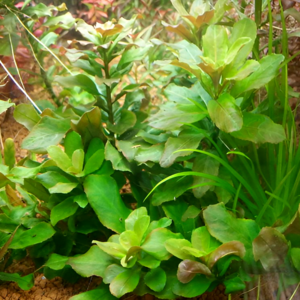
(108, 89)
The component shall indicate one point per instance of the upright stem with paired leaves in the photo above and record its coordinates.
(108, 89)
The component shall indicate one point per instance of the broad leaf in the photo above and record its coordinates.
(230, 248)
(37, 234)
(264, 74)
(111, 272)
(241, 29)
(56, 261)
(63, 210)
(72, 142)
(156, 279)
(260, 129)
(94, 262)
(110, 210)
(204, 164)
(85, 82)
(187, 139)
(270, 247)
(126, 120)
(171, 190)
(176, 248)
(215, 44)
(172, 116)
(234, 284)
(226, 228)
(154, 243)
(61, 159)
(188, 269)
(48, 131)
(203, 241)
(99, 293)
(89, 126)
(295, 256)
(225, 113)
(194, 288)
(125, 282)
(26, 115)
(25, 282)
(118, 161)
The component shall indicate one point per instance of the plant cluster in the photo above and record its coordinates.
(212, 171)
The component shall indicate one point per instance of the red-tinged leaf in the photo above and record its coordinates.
(188, 269)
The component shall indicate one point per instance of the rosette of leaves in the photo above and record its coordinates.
(202, 254)
(103, 68)
(140, 245)
(225, 73)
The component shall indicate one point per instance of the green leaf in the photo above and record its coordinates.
(72, 142)
(215, 44)
(191, 213)
(260, 129)
(154, 243)
(56, 182)
(203, 241)
(241, 29)
(188, 269)
(81, 200)
(63, 210)
(87, 83)
(138, 221)
(152, 153)
(230, 248)
(39, 10)
(37, 234)
(111, 272)
(176, 248)
(56, 261)
(126, 121)
(129, 239)
(125, 282)
(48, 40)
(226, 228)
(5, 49)
(99, 293)
(92, 263)
(181, 94)
(111, 210)
(61, 159)
(156, 279)
(116, 158)
(26, 115)
(264, 74)
(133, 54)
(234, 284)
(89, 126)
(25, 282)
(225, 113)
(9, 153)
(172, 116)
(230, 73)
(48, 131)
(204, 164)
(174, 210)
(171, 190)
(235, 48)
(111, 248)
(295, 256)
(270, 247)
(194, 288)
(77, 162)
(187, 139)
(179, 7)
